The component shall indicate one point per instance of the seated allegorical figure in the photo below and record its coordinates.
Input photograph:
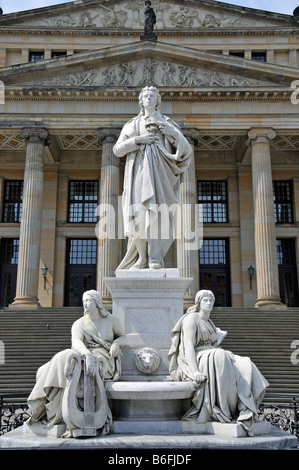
(97, 338)
(229, 388)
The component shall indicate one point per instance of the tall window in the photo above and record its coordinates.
(83, 201)
(283, 202)
(13, 195)
(212, 195)
(81, 272)
(34, 56)
(259, 56)
(285, 251)
(56, 54)
(215, 270)
(214, 252)
(9, 252)
(236, 53)
(287, 270)
(82, 251)
(9, 256)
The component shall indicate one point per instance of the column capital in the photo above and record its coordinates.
(260, 134)
(36, 135)
(108, 134)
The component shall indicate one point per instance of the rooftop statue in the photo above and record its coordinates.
(71, 383)
(229, 388)
(157, 153)
(150, 20)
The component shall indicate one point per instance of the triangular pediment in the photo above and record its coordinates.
(129, 14)
(148, 63)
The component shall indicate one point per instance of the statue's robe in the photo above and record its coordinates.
(234, 387)
(151, 180)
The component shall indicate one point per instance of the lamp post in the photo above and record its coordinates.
(44, 270)
(251, 273)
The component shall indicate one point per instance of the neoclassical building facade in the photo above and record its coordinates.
(71, 75)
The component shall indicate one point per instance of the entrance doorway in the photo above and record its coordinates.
(215, 270)
(287, 271)
(80, 274)
(9, 255)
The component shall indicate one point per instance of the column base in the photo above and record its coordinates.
(270, 303)
(25, 302)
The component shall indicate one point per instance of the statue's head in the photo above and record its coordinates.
(153, 90)
(97, 298)
(203, 293)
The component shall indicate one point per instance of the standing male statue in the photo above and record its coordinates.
(157, 154)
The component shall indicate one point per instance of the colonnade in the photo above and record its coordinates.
(109, 249)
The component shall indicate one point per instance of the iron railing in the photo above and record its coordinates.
(284, 414)
(13, 411)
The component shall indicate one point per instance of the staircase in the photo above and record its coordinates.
(265, 337)
(32, 337)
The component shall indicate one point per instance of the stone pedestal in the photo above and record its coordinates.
(234, 430)
(148, 304)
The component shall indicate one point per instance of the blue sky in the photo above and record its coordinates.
(286, 6)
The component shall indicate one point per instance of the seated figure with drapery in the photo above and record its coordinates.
(229, 388)
(70, 388)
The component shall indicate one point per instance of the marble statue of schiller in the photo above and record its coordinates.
(157, 153)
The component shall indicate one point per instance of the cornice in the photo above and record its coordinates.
(40, 31)
(273, 94)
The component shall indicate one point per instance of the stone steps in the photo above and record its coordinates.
(266, 337)
(31, 338)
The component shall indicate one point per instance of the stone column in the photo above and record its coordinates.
(31, 221)
(108, 242)
(264, 221)
(187, 260)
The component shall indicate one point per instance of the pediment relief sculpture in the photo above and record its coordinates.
(150, 71)
(130, 14)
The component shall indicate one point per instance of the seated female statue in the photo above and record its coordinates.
(97, 336)
(229, 388)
